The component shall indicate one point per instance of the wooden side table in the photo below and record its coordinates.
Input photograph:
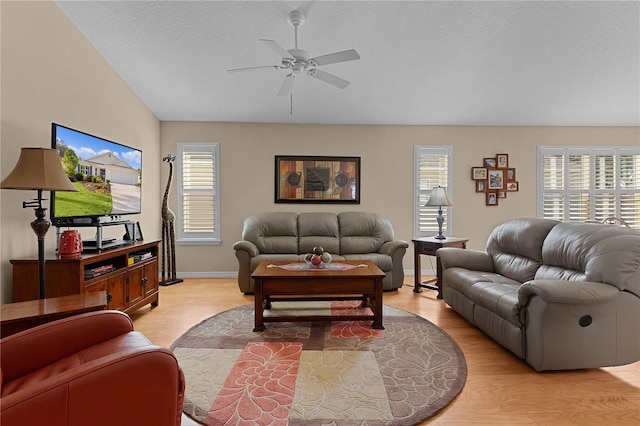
(16, 317)
(428, 246)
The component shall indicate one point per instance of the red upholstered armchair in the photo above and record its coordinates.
(89, 369)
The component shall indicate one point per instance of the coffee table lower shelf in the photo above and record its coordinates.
(272, 283)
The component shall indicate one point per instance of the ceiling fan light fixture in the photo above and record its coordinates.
(298, 60)
(299, 54)
(296, 18)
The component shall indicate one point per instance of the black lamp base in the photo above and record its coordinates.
(40, 226)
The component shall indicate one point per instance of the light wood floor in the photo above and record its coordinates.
(500, 389)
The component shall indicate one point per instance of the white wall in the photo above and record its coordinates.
(50, 73)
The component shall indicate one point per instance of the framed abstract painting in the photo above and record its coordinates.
(317, 179)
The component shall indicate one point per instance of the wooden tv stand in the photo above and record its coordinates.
(129, 282)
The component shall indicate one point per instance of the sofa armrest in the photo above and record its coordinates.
(475, 260)
(139, 386)
(245, 251)
(396, 250)
(567, 292)
(56, 340)
(391, 246)
(578, 324)
(247, 246)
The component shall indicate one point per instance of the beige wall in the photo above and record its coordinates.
(50, 73)
(247, 153)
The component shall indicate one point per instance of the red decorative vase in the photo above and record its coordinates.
(70, 244)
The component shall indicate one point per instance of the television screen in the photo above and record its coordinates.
(108, 176)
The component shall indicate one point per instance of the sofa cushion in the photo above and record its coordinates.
(273, 232)
(499, 297)
(516, 247)
(363, 232)
(489, 290)
(382, 261)
(318, 229)
(584, 252)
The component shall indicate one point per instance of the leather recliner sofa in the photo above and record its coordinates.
(558, 295)
(289, 236)
(88, 369)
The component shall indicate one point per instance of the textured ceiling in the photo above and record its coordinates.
(423, 62)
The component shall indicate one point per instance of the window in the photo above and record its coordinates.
(432, 166)
(85, 170)
(197, 173)
(582, 183)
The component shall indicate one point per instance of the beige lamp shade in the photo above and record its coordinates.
(38, 168)
(439, 197)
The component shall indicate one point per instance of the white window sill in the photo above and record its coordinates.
(199, 242)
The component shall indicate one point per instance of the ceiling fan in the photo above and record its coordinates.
(297, 61)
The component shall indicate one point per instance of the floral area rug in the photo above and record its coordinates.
(318, 373)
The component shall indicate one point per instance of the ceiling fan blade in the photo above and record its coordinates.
(328, 78)
(281, 51)
(253, 68)
(333, 58)
(287, 84)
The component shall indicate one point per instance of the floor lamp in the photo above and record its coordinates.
(39, 169)
(439, 198)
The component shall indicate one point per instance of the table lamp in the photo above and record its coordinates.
(39, 169)
(439, 198)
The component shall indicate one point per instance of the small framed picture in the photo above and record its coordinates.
(502, 193)
(511, 175)
(492, 198)
(481, 185)
(512, 186)
(478, 173)
(502, 161)
(133, 232)
(489, 163)
(495, 179)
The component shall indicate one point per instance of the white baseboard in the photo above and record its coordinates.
(422, 273)
(233, 274)
(220, 274)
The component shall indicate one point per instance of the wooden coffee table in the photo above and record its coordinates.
(274, 283)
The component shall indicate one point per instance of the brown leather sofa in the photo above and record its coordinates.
(560, 296)
(89, 369)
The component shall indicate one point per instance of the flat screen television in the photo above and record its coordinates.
(108, 176)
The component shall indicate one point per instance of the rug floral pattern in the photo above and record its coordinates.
(318, 373)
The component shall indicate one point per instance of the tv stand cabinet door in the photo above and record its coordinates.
(151, 272)
(116, 284)
(135, 287)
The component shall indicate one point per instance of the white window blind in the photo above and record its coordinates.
(432, 168)
(583, 183)
(198, 189)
